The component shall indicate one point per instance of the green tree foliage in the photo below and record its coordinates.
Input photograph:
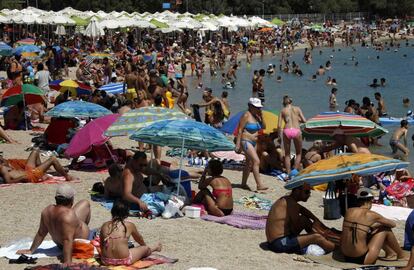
(382, 8)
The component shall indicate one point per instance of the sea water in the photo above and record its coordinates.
(396, 65)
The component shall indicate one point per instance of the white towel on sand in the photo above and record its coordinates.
(46, 249)
(392, 212)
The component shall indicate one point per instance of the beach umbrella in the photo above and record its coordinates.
(75, 88)
(113, 88)
(30, 55)
(91, 134)
(184, 133)
(28, 93)
(27, 49)
(133, 120)
(278, 22)
(325, 124)
(26, 41)
(5, 50)
(343, 167)
(271, 118)
(266, 29)
(93, 29)
(81, 109)
(89, 58)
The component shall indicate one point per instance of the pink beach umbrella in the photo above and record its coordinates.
(91, 134)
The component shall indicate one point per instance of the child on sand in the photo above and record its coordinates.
(114, 238)
(395, 139)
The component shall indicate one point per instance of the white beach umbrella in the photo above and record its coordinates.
(209, 26)
(109, 24)
(170, 29)
(143, 24)
(60, 30)
(94, 29)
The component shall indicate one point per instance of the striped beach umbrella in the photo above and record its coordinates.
(134, 120)
(81, 109)
(343, 167)
(113, 88)
(26, 41)
(325, 124)
(28, 93)
(26, 49)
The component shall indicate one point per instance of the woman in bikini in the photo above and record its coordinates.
(114, 238)
(249, 126)
(365, 233)
(219, 202)
(292, 116)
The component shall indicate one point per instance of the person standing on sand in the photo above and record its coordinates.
(64, 221)
(249, 126)
(396, 136)
(287, 219)
(292, 116)
(366, 232)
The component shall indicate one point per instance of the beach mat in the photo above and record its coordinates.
(336, 259)
(46, 249)
(93, 264)
(49, 180)
(241, 220)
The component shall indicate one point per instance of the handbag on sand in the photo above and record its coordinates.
(331, 208)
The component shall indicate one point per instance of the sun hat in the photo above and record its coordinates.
(364, 193)
(255, 102)
(65, 191)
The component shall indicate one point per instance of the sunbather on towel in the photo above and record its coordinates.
(219, 202)
(64, 222)
(366, 232)
(287, 219)
(114, 238)
(30, 170)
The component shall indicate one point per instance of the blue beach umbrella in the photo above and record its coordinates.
(81, 109)
(184, 134)
(27, 49)
(343, 167)
(5, 50)
(113, 88)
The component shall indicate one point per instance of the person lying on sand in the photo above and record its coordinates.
(219, 202)
(366, 232)
(64, 222)
(30, 170)
(287, 219)
(114, 238)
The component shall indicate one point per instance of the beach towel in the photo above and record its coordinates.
(277, 173)
(229, 155)
(93, 264)
(392, 212)
(227, 163)
(400, 190)
(46, 249)
(242, 220)
(255, 202)
(336, 260)
(47, 179)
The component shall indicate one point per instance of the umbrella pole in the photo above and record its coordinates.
(150, 176)
(110, 152)
(181, 166)
(24, 111)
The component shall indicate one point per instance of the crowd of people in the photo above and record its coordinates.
(154, 72)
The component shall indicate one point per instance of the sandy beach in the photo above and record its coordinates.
(196, 243)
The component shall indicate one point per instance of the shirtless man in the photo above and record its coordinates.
(131, 81)
(395, 139)
(64, 223)
(382, 110)
(126, 107)
(30, 170)
(366, 232)
(321, 71)
(287, 219)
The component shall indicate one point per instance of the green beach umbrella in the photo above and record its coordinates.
(278, 22)
(159, 24)
(79, 21)
(28, 93)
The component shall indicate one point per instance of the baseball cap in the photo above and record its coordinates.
(65, 191)
(364, 193)
(255, 102)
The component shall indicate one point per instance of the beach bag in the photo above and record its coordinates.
(331, 207)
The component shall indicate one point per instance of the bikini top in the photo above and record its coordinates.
(217, 192)
(252, 127)
(354, 226)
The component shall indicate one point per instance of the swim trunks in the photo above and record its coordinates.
(286, 244)
(357, 260)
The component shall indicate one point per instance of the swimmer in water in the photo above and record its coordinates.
(382, 82)
(313, 78)
(406, 102)
(279, 79)
(374, 83)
